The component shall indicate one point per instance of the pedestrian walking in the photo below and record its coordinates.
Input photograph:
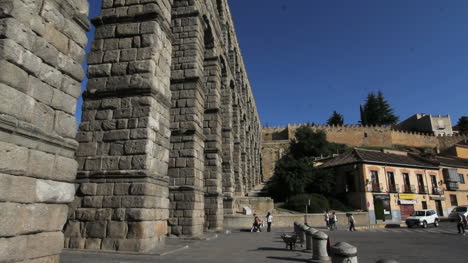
(334, 222)
(327, 219)
(269, 219)
(351, 222)
(462, 221)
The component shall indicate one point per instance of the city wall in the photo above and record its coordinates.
(275, 140)
(170, 134)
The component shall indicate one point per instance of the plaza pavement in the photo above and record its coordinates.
(416, 245)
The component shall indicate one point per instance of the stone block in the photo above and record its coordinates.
(54, 192)
(18, 219)
(85, 214)
(73, 229)
(93, 243)
(40, 164)
(40, 91)
(43, 118)
(77, 243)
(92, 201)
(146, 229)
(96, 229)
(112, 202)
(43, 244)
(65, 169)
(88, 188)
(13, 159)
(16, 103)
(64, 102)
(117, 229)
(12, 189)
(121, 188)
(13, 76)
(13, 249)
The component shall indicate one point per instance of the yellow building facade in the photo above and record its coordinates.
(390, 185)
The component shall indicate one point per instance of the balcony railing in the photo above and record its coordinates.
(422, 189)
(437, 191)
(393, 188)
(409, 189)
(374, 188)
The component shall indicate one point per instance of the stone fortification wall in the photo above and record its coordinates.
(41, 51)
(275, 140)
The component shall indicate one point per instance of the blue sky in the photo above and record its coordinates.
(306, 58)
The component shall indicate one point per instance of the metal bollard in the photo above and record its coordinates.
(343, 252)
(319, 247)
(387, 261)
(309, 232)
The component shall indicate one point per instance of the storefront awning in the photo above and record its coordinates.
(407, 202)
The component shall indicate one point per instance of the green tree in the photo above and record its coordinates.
(295, 173)
(463, 124)
(310, 143)
(336, 119)
(377, 111)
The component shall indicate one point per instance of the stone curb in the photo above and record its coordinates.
(161, 252)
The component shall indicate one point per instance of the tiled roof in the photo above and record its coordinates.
(452, 161)
(371, 156)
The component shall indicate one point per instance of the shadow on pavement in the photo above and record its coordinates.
(273, 249)
(290, 259)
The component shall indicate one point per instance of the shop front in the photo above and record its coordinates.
(382, 207)
(406, 202)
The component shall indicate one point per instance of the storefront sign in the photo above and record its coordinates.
(407, 202)
(382, 197)
(406, 196)
(440, 198)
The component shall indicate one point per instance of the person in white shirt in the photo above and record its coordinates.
(269, 219)
(351, 222)
(327, 219)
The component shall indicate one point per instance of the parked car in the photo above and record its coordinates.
(453, 216)
(423, 218)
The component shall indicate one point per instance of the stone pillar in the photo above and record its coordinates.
(228, 149)
(343, 252)
(309, 233)
(319, 247)
(122, 200)
(186, 166)
(214, 213)
(237, 154)
(41, 51)
(302, 233)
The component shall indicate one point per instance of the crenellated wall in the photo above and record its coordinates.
(275, 140)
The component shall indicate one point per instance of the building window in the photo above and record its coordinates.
(424, 205)
(453, 200)
(462, 178)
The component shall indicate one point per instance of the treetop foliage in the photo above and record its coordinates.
(463, 124)
(335, 119)
(377, 111)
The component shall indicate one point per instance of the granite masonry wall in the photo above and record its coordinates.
(41, 52)
(170, 134)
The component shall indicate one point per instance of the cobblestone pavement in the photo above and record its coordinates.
(405, 245)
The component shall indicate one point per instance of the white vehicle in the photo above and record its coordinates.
(423, 218)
